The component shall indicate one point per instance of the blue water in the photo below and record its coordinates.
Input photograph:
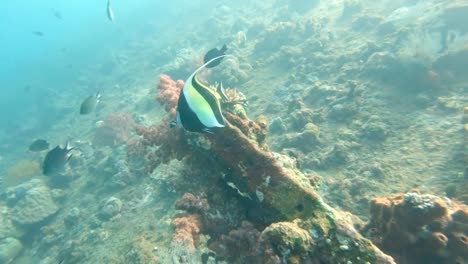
(35, 70)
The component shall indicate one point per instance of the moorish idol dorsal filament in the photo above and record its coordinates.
(199, 107)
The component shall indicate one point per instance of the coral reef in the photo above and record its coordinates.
(280, 189)
(288, 195)
(35, 205)
(271, 181)
(361, 98)
(417, 228)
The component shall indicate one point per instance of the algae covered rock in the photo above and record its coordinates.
(9, 248)
(288, 238)
(35, 205)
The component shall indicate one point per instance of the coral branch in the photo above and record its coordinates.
(286, 193)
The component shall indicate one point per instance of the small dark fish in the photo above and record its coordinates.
(89, 104)
(56, 159)
(213, 53)
(38, 33)
(39, 145)
(110, 13)
(57, 14)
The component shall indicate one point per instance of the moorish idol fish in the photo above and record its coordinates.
(199, 106)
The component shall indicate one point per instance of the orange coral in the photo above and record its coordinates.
(416, 228)
(168, 93)
(187, 230)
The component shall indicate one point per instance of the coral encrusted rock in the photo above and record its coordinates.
(35, 205)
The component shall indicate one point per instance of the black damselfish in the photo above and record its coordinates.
(213, 53)
(56, 159)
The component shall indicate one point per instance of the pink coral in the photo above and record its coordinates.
(168, 93)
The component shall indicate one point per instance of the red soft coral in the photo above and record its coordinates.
(168, 93)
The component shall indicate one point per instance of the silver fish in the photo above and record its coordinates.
(110, 13)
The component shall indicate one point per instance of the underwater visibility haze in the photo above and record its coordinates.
(276, 131)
